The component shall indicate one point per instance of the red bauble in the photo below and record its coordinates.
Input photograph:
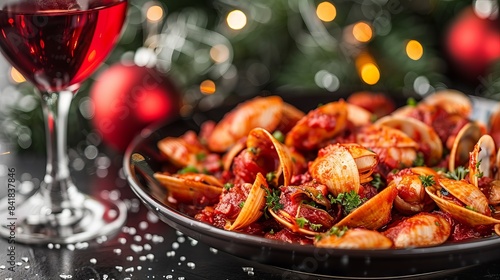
(128, 98)
(473, 43)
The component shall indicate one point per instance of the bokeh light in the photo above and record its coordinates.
(414, 50)
(326, 11)
(207, 87)
(370, 73)
(236, 19)
(154, 13)
(16, 76)
(219, 53)
(362, 31)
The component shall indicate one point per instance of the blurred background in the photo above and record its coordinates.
(178, 56)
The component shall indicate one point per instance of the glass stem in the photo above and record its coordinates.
(57, 187)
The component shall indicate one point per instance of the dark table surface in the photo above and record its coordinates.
(145, 248)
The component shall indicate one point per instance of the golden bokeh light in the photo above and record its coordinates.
(16, 76)
(370, 73)
(414, 49)
(219, 53)
(207, 87)
(154, 13)
(362, 31)
(326, 11)
(236, 19)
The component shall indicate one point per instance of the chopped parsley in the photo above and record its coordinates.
(427, 181)
(458, 174)
(479, 174)
(253, 150)
(241, 204)
(419, 160)
(349, 201)
(301, 221)
(188, 169)
(337, 231)
(228, 186)
(279, 136)
(201, 156)
(411, 102)
(270, 177)
(377, 181)
(273, 199)
(470, 208)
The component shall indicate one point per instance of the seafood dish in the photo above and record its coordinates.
(357, 173)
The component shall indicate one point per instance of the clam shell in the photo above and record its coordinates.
(452, 101)
(336, 168)
(318, 126)
(424, 135)
(357, 238)
(463, 144)
(374, 213)
(358, 116)
(190, 188)
(264, 112)
(253, 207)
(421, 230)
(462, 190)
(378, 136)
(260, 137)
(482, 159)
(179, 152)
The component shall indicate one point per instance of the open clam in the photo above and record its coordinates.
(179, 152)
(452, 101)
(197, 189)
(253, 206)
(429, 142)
(482, 160)
(374, 213)
(357, 238)
(266, 145)
(463, 144)
(463, 201)
(318, 126)
(411, 184)
(264, 112)
(342, 168)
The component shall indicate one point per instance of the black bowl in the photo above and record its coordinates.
(142, 158)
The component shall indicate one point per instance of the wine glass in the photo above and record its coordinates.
(56, 45)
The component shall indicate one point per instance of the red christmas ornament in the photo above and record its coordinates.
(128, 98)
(473, 43)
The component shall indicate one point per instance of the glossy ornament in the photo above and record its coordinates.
(127, 98)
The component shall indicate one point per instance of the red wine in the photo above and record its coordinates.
(54, 43)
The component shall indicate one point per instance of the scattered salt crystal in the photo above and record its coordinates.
(50, 246)
(182, 258)
(58, 246)
(169, 277)
(175, 245)
(70, 247)
(137, 238)
(66, 276)
(136, 248)
(117, 251)
(119, 268)
(139, 267)
(129, 270)
(19, 263)
(104, 277)
(27, 267)
(194, 242)
(148, 236)
(93, 261)
(122, 240)
(191, 265)
(125, 229)
(143, 225)
(170, 253)
(147, 247)
(24, 259)
(132, 231)
(213, 250)
(81, 245)
(130, 258)
(247, 268)
(150, 257)
(158, 239)
(152, 217)
(142, 258)
(181, 239)
(179, 233)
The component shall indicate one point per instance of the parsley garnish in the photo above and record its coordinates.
(427, 181)
(419, 160)
(315, 227)
(241, 204)
(188, 169)
(470, 208)
(348, 200)
(301, 222)
(479, 174)
(377, 181)
(201, 156)
(270, 176)
(228, 186)
(273, 199)
(253, 150)
(337, 231)
(279, 136)
(458, 174)
(411, 102)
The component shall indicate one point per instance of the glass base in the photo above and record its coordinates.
(30, 221)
